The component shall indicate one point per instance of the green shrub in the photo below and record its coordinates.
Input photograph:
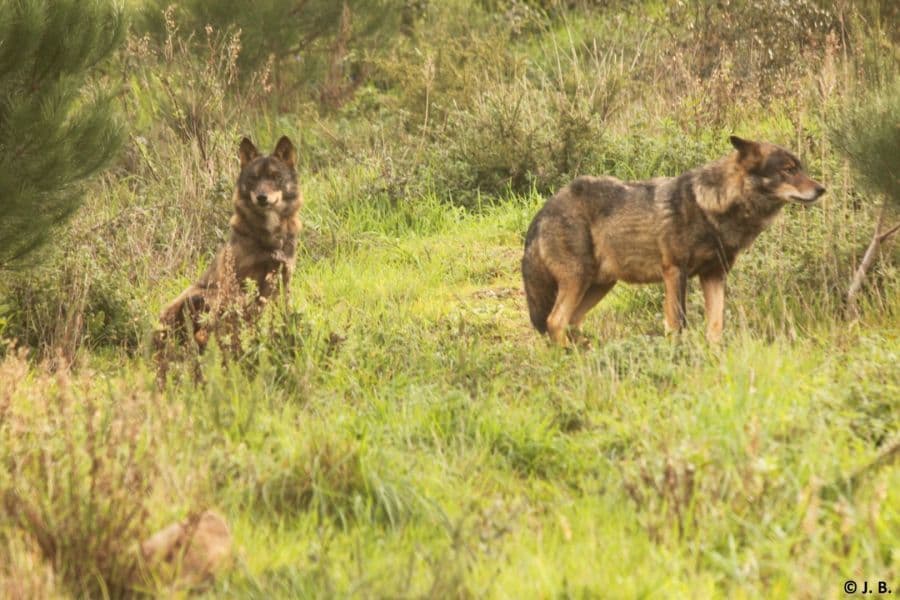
(762, 39)
(57, 128)
(867, 131)
(77, 468)
(312, 43)
(515, 138)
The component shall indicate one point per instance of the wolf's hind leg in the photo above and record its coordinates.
(185, 313)
(195, 308)
(170, 333)
(592, 296)
(714, 297)
(568, 298)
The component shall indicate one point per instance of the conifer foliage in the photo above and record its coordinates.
(867, 132)
(56, 127)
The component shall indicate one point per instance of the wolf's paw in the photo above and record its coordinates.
(580, 340)
(201, 336)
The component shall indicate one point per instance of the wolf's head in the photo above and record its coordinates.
(775, 172)
(268, 184)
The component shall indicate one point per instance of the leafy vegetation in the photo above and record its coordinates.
(868, 133)
(397, 428)
(55, 128)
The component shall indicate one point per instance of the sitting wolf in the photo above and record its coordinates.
(261, 248)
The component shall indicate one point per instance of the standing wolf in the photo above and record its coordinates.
(261, 247)
(599, 230)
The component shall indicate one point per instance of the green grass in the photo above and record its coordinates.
(491, 463)
(399, 430)
(549, 471)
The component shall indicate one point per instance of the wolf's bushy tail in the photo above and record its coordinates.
(540, 289)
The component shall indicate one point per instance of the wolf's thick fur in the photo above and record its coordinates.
(600, 230)
(261, 247)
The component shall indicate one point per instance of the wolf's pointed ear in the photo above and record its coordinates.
(247, 151)
(748, 150)
(285, 152)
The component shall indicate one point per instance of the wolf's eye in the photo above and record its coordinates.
(791, 170)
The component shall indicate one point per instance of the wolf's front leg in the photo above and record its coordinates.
(675, 279)
(714, 297)
(287, 266)
(285, 269)
(568, 298)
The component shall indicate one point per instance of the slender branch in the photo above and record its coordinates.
(890, 232)
(868, 260)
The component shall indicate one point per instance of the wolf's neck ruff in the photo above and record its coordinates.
(270, 233)
(718, 185)
(263, 238)
(727, 195)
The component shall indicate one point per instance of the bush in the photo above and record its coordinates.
(867, 132)
(515, 138)
(313, 41)
(479, 120)
(83, 302)
(763, 39)
(76, 473)
(55, 128)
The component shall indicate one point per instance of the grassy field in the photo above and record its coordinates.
(398, 429)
